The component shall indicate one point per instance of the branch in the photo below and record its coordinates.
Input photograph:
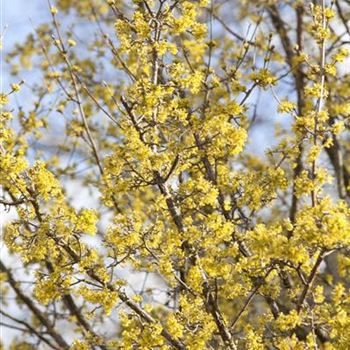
(33, 308)
(309, 281)
(28, 329)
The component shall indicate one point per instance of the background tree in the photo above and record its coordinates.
(155, 108)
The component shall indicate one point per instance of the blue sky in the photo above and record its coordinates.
(17, 18)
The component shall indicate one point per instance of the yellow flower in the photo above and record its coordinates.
(16, 87)
(289, 321)
(71, 42)
(285, 106)
(79, 345)
(263, 78)
(53, 10)
(87, 220)
(3, 99)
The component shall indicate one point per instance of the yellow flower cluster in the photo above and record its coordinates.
(105, 297)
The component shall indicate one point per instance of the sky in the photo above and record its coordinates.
(17, 20)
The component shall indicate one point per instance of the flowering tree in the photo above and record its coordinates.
(154, 106)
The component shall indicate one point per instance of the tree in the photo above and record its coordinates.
(151, 106)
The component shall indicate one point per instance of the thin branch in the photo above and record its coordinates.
(32, 307)
(28, 329)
